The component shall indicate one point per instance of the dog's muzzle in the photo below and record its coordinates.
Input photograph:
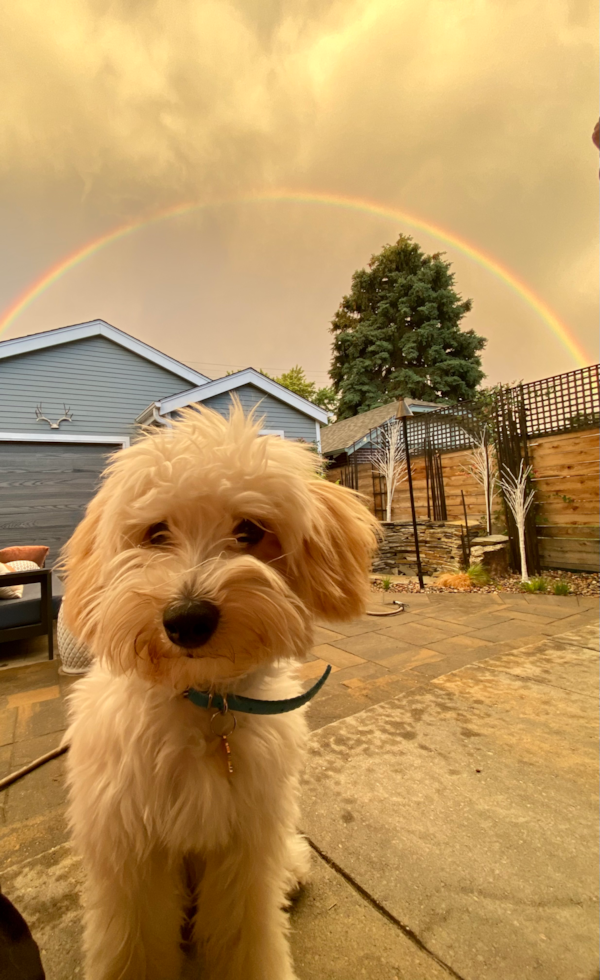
(190, 623)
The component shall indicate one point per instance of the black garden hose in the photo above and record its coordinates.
(391, 612)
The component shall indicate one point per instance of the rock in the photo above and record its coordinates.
(492, 553)
(440, 546)
(485, 540)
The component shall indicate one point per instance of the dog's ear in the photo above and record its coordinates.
(82, 561)
(334, 580)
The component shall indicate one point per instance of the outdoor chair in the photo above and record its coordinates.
(34, 613)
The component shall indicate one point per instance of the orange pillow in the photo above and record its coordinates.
(27, 552)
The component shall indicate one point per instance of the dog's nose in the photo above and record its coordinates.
(191, 622)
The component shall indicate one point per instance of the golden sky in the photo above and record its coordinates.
(474, 115)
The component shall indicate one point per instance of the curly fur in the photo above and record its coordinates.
(171, 845)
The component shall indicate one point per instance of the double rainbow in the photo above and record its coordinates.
(51, 275)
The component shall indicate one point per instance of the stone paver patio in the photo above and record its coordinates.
(449, 796)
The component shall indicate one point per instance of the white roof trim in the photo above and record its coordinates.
(99, 328)
(318, 434)
(92, 440)
(248, 376)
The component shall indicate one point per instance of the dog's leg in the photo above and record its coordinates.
(240, 926)
(133, 920)
(298, 866)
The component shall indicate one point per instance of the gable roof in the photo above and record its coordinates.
(98, 328)
(228, 384)
(340, 436)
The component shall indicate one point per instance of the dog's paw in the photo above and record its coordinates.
(300, 859)
(293, 896)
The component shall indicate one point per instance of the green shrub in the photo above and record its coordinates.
(478, 574)
(535, 585)
(386, 583)
(561, 588)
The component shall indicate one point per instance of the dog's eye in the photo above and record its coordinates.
(248, 533)
(157, 535)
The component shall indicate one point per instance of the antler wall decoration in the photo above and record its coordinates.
(67, 417)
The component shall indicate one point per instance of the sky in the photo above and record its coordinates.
(472, 117)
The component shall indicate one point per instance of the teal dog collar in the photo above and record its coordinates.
(253, 706)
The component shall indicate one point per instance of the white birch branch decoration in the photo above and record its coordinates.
(389, 460)
(482, 467)
(515, 494)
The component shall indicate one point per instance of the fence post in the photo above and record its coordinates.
(403, 413)
(468, 548)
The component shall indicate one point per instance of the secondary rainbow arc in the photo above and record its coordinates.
(288, 195)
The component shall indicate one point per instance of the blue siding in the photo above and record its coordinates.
(105, 385)
(277, 415)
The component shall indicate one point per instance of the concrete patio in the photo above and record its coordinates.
(450, 797)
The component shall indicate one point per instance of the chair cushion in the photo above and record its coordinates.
(26, 611)
(15, 591)
(9, 591)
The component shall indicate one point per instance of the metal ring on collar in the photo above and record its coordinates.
(228, 724)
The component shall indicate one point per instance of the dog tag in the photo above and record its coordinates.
(222, 724)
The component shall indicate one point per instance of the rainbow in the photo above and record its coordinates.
(51, 275)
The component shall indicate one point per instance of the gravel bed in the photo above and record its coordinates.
(580, 583)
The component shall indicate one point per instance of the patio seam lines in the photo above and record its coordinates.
(382, 910)
(480, 661)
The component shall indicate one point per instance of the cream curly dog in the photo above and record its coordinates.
(200, 565)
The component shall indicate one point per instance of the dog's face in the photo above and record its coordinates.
(209, 549)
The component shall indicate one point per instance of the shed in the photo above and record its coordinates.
(341, 439)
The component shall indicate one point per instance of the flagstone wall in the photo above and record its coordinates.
(440, 545)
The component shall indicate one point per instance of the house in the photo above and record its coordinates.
(71, 397)
(285, 414)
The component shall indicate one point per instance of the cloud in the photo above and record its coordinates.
(404, 99)
(475, 114)
(133, 97)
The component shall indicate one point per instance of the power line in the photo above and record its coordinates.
(237, 367)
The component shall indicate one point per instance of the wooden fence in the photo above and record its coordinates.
(455, 480)
(566, 481)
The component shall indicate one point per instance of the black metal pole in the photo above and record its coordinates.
(412, 503)
(488, 503)
(462, 493)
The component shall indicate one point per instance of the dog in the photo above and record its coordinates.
(19, 953)
(199, 566)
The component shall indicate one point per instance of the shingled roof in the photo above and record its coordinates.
(340, 436)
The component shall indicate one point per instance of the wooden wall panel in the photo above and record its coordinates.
(566, 480)
(44, 490)
(401, 504)
(455, 467)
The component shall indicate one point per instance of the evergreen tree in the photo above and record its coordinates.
(397, 334)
